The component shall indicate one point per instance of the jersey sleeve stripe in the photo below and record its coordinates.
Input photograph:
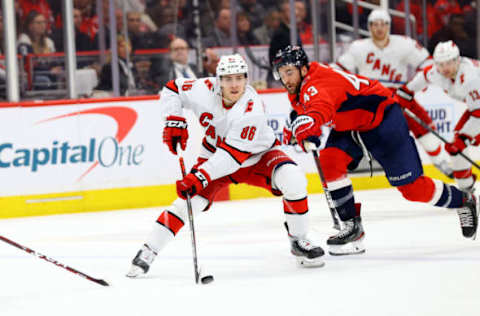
(172, 86)
(295, 207)
(238, 155)
(207, 146)
(475, 113)
(425, 71)
(171, 221)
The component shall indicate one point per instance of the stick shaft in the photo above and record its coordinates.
(434, 132)
(51, 260)
(191, 224)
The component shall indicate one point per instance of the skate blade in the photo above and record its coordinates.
(352, 248)
(310, 263)
(135, 272)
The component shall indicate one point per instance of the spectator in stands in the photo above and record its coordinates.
(304, 29)
(40, 6)
(89, 23)
(143, 80)
(106, 23)
(254, 10)
(176, 66)
(244, 30)
(34, 40)
(210, 62)
(82, 41)
(139, 38)
(456, 32)
(271, 23)
(220, 35)
(433, 18)
(165, 18)
(126, 71)
(281, 37)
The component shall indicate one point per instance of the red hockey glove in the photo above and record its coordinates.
(175, 132)
(458, 145)
(307, 128)
(192, 184)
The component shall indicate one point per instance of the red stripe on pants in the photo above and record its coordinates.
(171, 221)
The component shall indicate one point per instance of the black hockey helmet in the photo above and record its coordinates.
(290, 55)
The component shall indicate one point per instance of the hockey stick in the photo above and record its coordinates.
(328, 196)
(55, 262)
(205, 279)
(424, 125)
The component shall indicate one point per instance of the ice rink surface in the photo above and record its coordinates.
(417, 263)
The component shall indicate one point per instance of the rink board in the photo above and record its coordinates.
(91, 155)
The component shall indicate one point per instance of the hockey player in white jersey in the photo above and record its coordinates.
(239, 147)
(386, 58)
(459, 77)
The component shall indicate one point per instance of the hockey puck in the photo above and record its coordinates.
(207, 279)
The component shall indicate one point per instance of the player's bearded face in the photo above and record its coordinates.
(379, 30)
(233, 87)
(291, 78)
(448, 68)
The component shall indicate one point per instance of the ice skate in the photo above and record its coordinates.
(306, 253)
(142, 261)
(349, 240)
(468, 215)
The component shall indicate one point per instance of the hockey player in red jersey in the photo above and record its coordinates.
(386, 58)
(365, 118)
(239, 147)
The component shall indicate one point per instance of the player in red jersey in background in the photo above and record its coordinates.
(365, 117)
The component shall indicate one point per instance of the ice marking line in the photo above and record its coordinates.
(55, 199)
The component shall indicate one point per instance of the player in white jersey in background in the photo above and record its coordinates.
(386, 58)
(459, 77)
(239, 147)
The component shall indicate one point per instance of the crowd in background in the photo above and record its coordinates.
(160, 34)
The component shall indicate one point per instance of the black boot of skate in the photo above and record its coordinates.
(306, 253)
(349, 240)
(142, 261)
(468, 215)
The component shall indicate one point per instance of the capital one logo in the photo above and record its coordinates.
(106, 151)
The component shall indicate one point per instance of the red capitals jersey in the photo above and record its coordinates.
(350, 102)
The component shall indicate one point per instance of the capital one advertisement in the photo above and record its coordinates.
(75, 147)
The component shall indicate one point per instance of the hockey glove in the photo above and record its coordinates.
(307, 128)
(175, 132)
(192, 184)
(288, 137)
(460, 142)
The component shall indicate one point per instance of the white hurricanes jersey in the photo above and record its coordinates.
(235, 137)
(388, 65)
(465, 88)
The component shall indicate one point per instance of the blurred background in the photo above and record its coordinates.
(52, 49)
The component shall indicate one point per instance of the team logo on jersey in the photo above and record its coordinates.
(386, 69)
(205, 120)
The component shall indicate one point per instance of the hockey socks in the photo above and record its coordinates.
(344, 202)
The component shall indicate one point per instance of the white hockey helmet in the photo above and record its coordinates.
(379, 14)
(445, 51)
(231, 65)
